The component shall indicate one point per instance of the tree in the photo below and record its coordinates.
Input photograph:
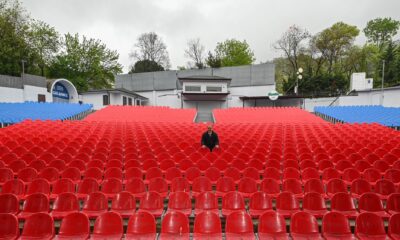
(213, 61)
(146, 66)
(88, 63)
(234, 53)
(291, 44)
(334, 41)
(14, 27)
(381, 30)
(151, 47)
(195, 52)
(45, 42)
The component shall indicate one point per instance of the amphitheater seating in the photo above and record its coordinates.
(387, 116)
(18, 112)
(263, 173)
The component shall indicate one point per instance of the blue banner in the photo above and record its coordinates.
(60, 91)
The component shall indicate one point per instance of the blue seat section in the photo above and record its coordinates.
(17, 112)
(388, 116)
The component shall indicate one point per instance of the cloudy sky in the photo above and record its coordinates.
(118, 23)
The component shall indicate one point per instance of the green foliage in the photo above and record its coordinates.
(234, 53)
(213, 61)
(146, 66)
(381, 30)
(88, 63)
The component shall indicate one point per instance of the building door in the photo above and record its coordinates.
(41, 98)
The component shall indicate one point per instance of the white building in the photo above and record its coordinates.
(36, 89)
(119, 96)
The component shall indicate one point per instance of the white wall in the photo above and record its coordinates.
(96, 99)
(11, 94)
(31, 93)
(310, 103)
(251, 91)
(161, 98)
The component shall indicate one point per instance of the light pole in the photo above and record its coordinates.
(299, 77)
(23, 66)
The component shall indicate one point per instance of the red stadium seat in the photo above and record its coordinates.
(303, 225)
(72, 173)
(393, 203)
(192, 173)
(247, 186)
(108, 226)
(272, 173)
(233, 173)
(61, 186)
(175, 225)
(9, 203)
(51, 174)
(358, 187)
(95, 204)
(291, 173)
(287, 204)
(172, 173)
(15, 187)
(336, 226)
(370, 202)
(231, 202)
(158, 185)
(381, 166)
(349, 175)
(309, 173)
(272, 226)
(314, 204)
(343, 165)
(181, 202)
(260, 202)
(124, 203)
(343, 203)
(180, 184)
(27, 174)
(141, 225)
(252, 172)
(9, 228)
(201, 184)
(114, 172)
(153, 172)
(294, 186)
(207, 225)
(74, 226)
(95, 173)
(271, 187)
(335, 185)
(5, 175)
(57, 164)
(153, 203)
(384, 188)
(213, 174)
(370, 226)
(314, 185)
(136, 187)
(225, 185)
(394, 226)
(239, 226)
(206, 201)
(86, 187)
(65, 203)
(38, 226)
(16, 166)
(330, 173)
(110, 187)
(372, 175)
(392, 175)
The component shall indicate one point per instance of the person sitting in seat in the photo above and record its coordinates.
(210, 139)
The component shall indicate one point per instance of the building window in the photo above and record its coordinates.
(41, 98)
(106, 100)
(130, 101)
(214, 89)
(137, 102)
(192, 88)
(124, 100)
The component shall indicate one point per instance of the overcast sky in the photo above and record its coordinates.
(118, 23)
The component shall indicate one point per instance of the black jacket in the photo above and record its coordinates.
(210, 141)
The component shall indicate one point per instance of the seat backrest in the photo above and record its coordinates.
(201, 184)
(14, 186)
(394, 226)
(175, 223)
(342, 201)
(72, 173)
(123, 200)
(109, 223)
(270, 186)
(95, 201)
(239, 222)
(9, 227)
(9, 203)
(233, 200)
(135, 185)
(141, 223)
(369, 224)
(111, 185)
(393, 202)
(384, 187)
(113, 172)
(5, 175)
(63, 185)
(87, 186)
(158, 184)
(336, 185)
(314, 185)
(180, 184)
(36, 202)
(272, 222)
(335, 223)
(75, 225)
(360, 186)
(225, 184)
(206, 201)
(370, 202)
(66, 201)
(94, 172)
(39, 226)
(247, 185)
(172, 172)
(287, 201)
(303, 223)
(207, 223)
(151, 200)
(27, 174)
(292, 185)
(51, 174)
(314, 201)
(260, 201)
(38, 185)
(179, 200)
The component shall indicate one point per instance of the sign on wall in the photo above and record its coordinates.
(60, 91)
(273, 95)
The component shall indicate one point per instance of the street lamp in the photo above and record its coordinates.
(299, 77)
